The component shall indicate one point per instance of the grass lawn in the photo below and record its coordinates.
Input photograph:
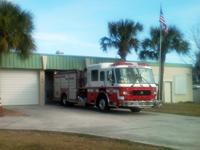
(188, 109)
(39, 140)
(10, 112)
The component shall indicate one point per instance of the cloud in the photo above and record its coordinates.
(51, 37)
(63, 39)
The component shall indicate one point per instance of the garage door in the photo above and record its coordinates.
(19, 87)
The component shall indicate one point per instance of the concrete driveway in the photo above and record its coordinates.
(180, 132)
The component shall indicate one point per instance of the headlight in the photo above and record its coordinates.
(124, 93)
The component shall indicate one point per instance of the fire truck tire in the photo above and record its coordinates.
(102, 104)
(64, 101)
(135, 109)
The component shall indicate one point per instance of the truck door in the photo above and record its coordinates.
(102, 78)
(110, 78)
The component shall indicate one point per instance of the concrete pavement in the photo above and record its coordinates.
(180, 132)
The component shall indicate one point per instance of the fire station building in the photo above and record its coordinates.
(30, 81)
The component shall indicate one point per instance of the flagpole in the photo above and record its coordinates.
(163, 29)
(160, 60)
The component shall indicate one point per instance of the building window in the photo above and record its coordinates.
(94, 75)
(180, 84)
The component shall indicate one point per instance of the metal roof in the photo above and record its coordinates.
(60, 62)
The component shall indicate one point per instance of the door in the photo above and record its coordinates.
(168, 92)
(19, 87)
(69, 83)
(110, 78)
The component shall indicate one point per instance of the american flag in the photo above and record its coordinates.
(162, 22)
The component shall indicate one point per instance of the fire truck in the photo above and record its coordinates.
(108, 85)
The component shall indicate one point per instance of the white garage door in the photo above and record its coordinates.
(19, 87)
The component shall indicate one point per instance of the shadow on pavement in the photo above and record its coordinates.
(112, 111)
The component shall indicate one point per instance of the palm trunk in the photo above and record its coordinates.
(123, 57)
(161, 77)
(122, 54)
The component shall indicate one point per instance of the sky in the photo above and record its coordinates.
(75, 27)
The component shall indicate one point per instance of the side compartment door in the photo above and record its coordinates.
(72, 86)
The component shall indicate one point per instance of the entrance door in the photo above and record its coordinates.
(168, 92)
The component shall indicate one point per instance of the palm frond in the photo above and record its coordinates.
(134, 43)
(16, 27)
(106, 43)
(145, 54)
(172, 41)
(122, 36)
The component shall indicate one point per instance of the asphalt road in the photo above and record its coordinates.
(179, 132)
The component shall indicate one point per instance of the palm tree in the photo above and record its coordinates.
(171, 41)
(16, 27)
(196, 69)
(122, 36)
(196, 56)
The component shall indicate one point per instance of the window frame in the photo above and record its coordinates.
(94, 75)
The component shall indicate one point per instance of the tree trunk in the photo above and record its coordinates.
(161, 76)
(122, 54)
(123, 58)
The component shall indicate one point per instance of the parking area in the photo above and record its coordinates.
(180, 132)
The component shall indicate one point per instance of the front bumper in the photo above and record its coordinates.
(141, 104)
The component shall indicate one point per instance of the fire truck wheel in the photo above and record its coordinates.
(102, 104)
(135, 109)
(64, 101)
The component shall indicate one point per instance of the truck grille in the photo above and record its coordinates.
(142, 92)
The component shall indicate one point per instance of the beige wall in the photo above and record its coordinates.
(171, 74)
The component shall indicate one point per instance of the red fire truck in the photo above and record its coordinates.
(108, 85)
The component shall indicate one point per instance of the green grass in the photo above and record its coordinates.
(187, 109)
(40, 140)
(10, 112)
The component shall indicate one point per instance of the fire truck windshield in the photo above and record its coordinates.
(134, 76)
